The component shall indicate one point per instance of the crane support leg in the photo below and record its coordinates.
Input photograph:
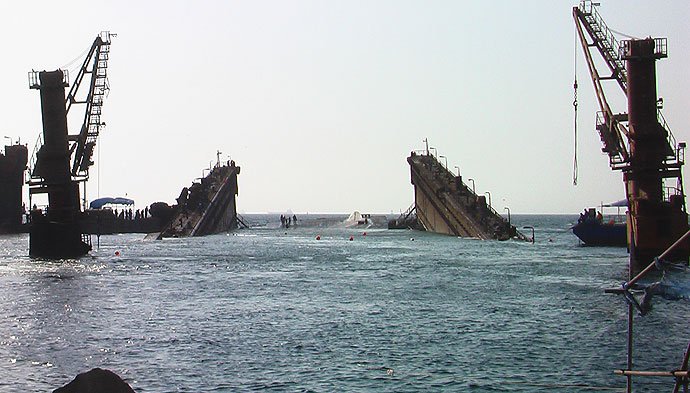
(655, 221)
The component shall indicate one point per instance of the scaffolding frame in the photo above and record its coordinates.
(681, 376)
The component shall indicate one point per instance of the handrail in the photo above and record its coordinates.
(241, 221)
(660, 47)
(671, 138)
(671, 191)
(407, 212)
(610, 48)
(34, 154)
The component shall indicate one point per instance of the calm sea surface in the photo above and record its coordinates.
(269, 309)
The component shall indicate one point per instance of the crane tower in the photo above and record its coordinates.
(638, 141)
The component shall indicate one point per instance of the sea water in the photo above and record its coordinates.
(274, 309)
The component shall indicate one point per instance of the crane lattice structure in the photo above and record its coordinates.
(613, 127)
(90, 88)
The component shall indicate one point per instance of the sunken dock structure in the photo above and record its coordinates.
(206, 207)
(12, 168)
(444, 204)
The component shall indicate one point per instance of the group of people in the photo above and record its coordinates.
(590, 215)
(285, 222)
(128, 214)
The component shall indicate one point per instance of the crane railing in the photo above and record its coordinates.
(96, 65)
(660, 47)
(672, 155)
(34, 156)
(604, 40)
(612, 128)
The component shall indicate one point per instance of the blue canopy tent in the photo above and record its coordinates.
(100, 202)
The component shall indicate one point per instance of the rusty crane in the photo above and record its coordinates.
(637, 141)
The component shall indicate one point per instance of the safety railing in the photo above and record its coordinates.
(660, 48)
(241, 222)
(34, 155)
(607, 43)
(589, 9)
(35, 81)
(671, 191)
(86, 239)
(678, 152)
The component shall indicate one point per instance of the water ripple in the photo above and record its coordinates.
(275, 310)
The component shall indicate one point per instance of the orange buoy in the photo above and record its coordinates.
(117, 253)
(318, 237)
(352, 238)
(364, 234)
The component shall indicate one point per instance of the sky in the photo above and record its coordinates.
(320, 102)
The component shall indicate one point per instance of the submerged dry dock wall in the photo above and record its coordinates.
(207, 207)
(221, 213)
(446, 205)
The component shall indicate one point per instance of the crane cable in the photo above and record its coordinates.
(79, 59)
(624, 35)
(575, 115)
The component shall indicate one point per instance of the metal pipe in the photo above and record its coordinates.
(458, 168)
(473, 191)
(489, 194)
(676, 374)
(629, 347)
(445, 159)
(508, 209)
(683, 366)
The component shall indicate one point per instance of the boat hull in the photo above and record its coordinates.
(595, 233)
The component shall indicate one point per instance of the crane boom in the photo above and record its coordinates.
(96, 66)
(81, 145)
(610, 126)
(613, 127)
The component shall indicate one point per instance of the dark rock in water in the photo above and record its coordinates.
(96, 381)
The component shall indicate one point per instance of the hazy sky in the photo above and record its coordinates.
(320, 101)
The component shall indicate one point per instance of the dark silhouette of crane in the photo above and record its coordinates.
(61, 160)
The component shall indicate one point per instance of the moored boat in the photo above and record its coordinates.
(593, 229)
